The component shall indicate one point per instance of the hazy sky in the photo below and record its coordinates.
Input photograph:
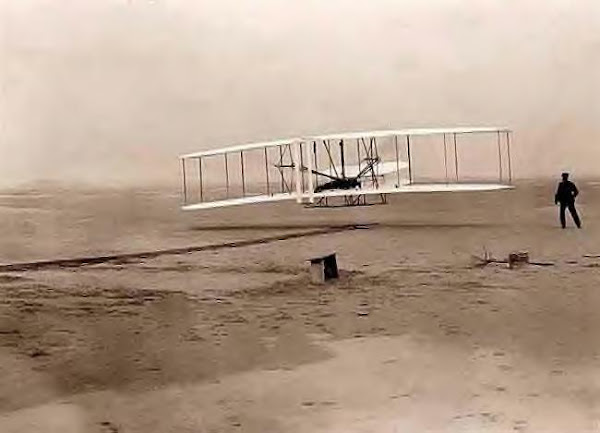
(115, 90)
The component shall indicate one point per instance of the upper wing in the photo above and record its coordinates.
(240, 148)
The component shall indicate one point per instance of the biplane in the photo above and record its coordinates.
(345, 169)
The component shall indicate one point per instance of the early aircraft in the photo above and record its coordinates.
(316, 171)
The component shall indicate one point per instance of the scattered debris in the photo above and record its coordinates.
(515, 259)
(485, 260)
(518, 259)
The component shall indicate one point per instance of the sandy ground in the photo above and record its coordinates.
(411, 338)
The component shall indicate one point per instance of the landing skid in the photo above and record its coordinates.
(348, 201)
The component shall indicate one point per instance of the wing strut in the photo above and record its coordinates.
(445, 158)
(267, 172)
(184, 181)
(499, 157)
(342, 158)
(280, 171)
(297, 170)
(200, 179)
(409, 159)
(455, 157)
(309, 162)
(243, 177)
(397, 159)
(509, 164)
(226, 175)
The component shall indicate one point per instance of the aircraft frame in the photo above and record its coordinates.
(314, 171)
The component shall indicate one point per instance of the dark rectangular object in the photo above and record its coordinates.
(324, 268)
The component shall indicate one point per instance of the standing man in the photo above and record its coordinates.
(565, 195)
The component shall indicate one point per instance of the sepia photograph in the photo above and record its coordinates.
(299, 216)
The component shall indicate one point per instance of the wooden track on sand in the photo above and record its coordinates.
(94, 260)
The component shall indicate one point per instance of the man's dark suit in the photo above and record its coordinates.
(565, 195)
